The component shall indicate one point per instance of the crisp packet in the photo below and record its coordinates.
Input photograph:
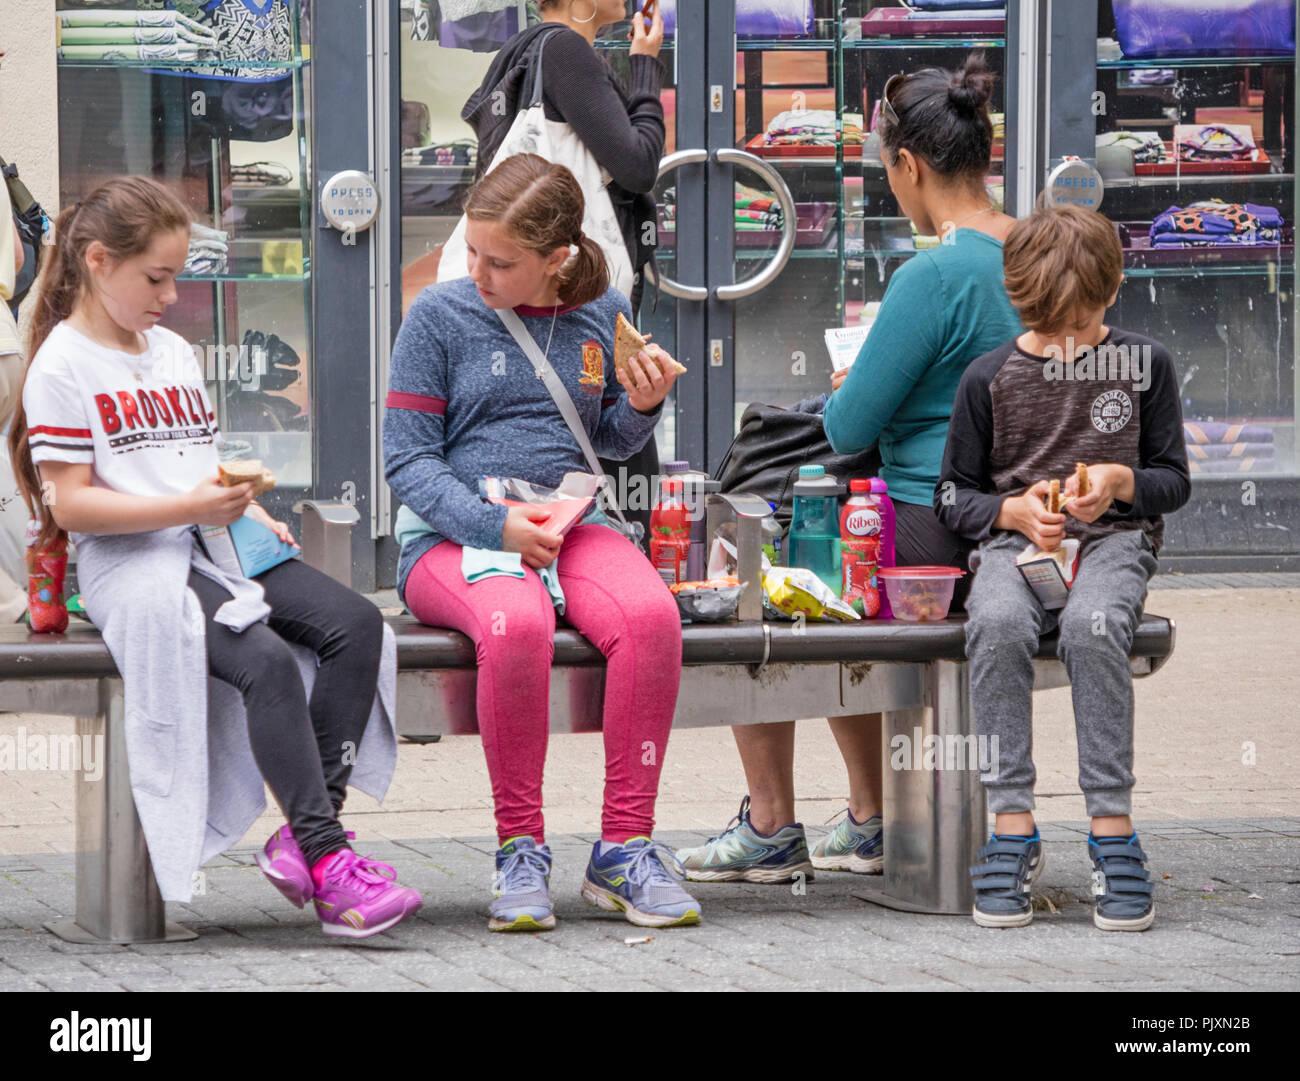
(791, 591)
(710, 601)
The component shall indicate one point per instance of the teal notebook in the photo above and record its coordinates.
(246, 547)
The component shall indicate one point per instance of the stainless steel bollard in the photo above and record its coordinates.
(748, 512)
(327, 537)
(117, 898)
(935, 812)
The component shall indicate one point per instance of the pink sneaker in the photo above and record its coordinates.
(283, 863)
(359, 897)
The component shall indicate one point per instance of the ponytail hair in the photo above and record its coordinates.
(124, 215)
(540, 204)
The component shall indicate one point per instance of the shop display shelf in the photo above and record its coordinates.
(205, 68)
(1192, 62)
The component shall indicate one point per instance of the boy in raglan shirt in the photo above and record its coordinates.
(1070, 389)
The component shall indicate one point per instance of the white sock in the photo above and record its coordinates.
(606, 847)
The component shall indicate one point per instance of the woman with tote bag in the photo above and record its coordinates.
(549, 92)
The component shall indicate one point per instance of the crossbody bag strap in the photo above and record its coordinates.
(560, 394)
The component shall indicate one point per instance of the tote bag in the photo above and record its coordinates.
(556, 141)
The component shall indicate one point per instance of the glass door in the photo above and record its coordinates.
(1195, 139)
(802, 231)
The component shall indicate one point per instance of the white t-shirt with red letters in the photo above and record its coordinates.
(143, 421)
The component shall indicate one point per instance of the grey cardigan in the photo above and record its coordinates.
(196, 785)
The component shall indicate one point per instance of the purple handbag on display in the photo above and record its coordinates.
(1158, 28)
(954, 5)
(757, 18)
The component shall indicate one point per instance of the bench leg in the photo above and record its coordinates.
(935, 814)
(117, 898)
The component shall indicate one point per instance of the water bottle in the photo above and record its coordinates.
(815, 526)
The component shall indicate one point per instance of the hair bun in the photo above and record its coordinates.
(972, 86)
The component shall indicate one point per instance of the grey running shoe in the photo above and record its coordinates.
(852, 846)
(742, 854)
(521, 893)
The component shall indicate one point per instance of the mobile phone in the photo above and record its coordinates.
(649, 9)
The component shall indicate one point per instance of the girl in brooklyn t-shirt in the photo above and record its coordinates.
(116, 443)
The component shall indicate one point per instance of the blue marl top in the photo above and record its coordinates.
(464, 402)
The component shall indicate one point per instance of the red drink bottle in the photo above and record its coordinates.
(860, 533)
(670, 532)
(46, 611)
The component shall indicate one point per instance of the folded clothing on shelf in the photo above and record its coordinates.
(1215, 142)
(804, 127)
(1147, 146)
(189, 28)
(1214, 222)
(1152, 77)
(1208, 432)
(463, 152)
(209, 250)
(174, 51)
(757, 209)
(134, 35)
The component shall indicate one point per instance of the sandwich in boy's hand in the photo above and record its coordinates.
(1081, 475)
(247, 470)
(628, 343)
(1054, 500)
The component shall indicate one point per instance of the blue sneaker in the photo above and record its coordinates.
(852, 846)
(521, 892)
(1121, 884)
(1009, 867)
(741, 854)
(635, 879)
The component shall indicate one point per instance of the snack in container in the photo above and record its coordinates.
(709, 601)
(920, 594)
(791, 591)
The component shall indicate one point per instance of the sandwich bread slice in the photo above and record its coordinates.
(628, 343)
(247, 470)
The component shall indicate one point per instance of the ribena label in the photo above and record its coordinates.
(863, 522)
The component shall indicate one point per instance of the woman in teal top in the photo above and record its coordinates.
(942, 309)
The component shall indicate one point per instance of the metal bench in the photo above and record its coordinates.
(737, 673)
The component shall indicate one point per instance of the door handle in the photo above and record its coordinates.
(789, 232)
(675, 289)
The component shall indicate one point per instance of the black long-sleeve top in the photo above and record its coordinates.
(1020, 418)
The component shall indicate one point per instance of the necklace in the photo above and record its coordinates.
(555, 314)
(977, 213)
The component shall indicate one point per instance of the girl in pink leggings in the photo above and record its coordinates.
(465, 402)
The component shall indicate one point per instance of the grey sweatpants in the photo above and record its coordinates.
(1097, 626)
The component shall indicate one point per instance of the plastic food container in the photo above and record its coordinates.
(919, 594)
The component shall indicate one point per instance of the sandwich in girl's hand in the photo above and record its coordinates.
(247, 471)
(628, 343)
